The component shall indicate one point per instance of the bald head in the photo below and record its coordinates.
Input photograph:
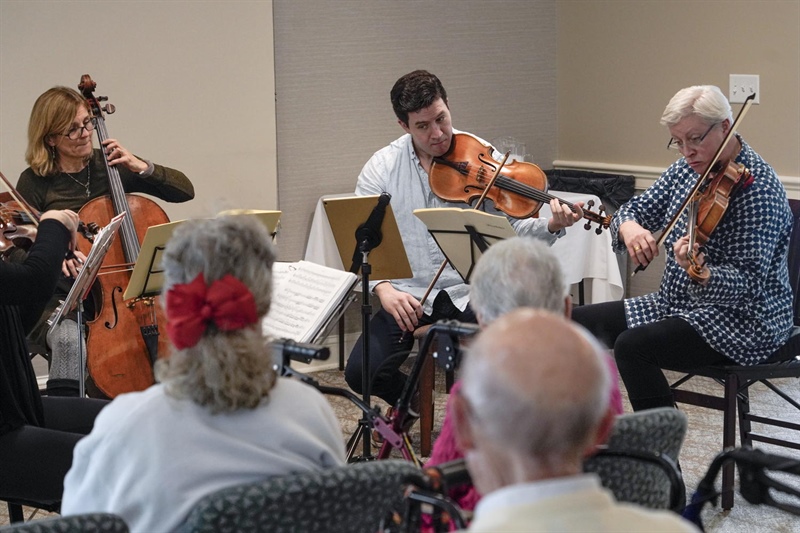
(537, 384)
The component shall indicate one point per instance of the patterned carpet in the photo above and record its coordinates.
(702, 443)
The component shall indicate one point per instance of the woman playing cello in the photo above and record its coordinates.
(65, 172)
(742, 312)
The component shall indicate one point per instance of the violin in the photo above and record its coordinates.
(724, 181)
(463, 174)
(19, 222)
(18, 229)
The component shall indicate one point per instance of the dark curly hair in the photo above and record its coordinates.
(414, 91)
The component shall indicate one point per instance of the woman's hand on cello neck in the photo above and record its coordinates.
(119, 155)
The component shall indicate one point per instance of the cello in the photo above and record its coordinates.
(123, 339)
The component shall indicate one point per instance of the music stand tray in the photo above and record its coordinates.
(147, 278)
(270, 219)
(464, 234)
(345, 215)
(85, 278)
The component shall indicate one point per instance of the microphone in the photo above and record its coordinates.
(369, 233)
(298, 351)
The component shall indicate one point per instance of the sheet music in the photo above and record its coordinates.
(304, 295)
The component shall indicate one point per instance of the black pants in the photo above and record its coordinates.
(389, 348)
(34, 460)
(643, 351)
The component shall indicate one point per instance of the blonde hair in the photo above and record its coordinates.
(225, 370)
(52, 114)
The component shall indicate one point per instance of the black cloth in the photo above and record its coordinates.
(389, 347)
(612, 189)
(642, 352)
(34, 460)
(37, 435)
(24, 290)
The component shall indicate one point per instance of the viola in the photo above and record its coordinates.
(18, 230)
(464, 172)
(707, 212)
(123, 339)
(19, 222)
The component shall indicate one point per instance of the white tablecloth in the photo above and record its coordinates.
(584, 255)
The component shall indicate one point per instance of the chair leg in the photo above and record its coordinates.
(15, 513)
(743, 401)
(729, 438)
(426, 384)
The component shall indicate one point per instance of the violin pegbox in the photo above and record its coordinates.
(602, 221)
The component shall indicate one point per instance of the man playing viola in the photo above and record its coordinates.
(402, 169)
(742, 313)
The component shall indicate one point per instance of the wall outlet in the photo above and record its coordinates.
(742, 86)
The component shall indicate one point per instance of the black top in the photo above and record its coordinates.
(25, 288)
(59, 191)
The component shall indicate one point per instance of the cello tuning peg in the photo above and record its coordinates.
(109, 109)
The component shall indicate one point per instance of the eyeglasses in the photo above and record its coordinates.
(77, 131)
(692, 142)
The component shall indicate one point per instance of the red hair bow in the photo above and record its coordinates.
(227, 302)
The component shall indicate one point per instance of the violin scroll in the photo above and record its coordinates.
(602, 221)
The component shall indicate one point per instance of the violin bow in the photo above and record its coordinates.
(691, 197)
(475, 207)
(22, 203)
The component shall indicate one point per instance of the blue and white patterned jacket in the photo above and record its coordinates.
(744, 312)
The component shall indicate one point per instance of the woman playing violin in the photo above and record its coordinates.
(37, 435)
(65, 172)
(742, 312)
(402, 169)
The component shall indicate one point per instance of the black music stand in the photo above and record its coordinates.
(464, 235)
(80, 291)
(347, 216)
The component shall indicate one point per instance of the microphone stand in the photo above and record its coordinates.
(364, 424)
(368, 237)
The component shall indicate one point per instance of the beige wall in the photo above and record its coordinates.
(576, 80)
(335, 63)
(620, 61)
(193, 84)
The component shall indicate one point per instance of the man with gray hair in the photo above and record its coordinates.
(513, 273)
(533, 404)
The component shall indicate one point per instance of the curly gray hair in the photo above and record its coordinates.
(225, 370)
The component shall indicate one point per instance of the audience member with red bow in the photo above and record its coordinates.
(219, 416)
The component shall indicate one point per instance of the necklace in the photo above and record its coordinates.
(76, 180)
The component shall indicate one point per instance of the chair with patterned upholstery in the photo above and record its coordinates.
(736, 381)
(638, 463)
(85, 523)
(356, 497)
